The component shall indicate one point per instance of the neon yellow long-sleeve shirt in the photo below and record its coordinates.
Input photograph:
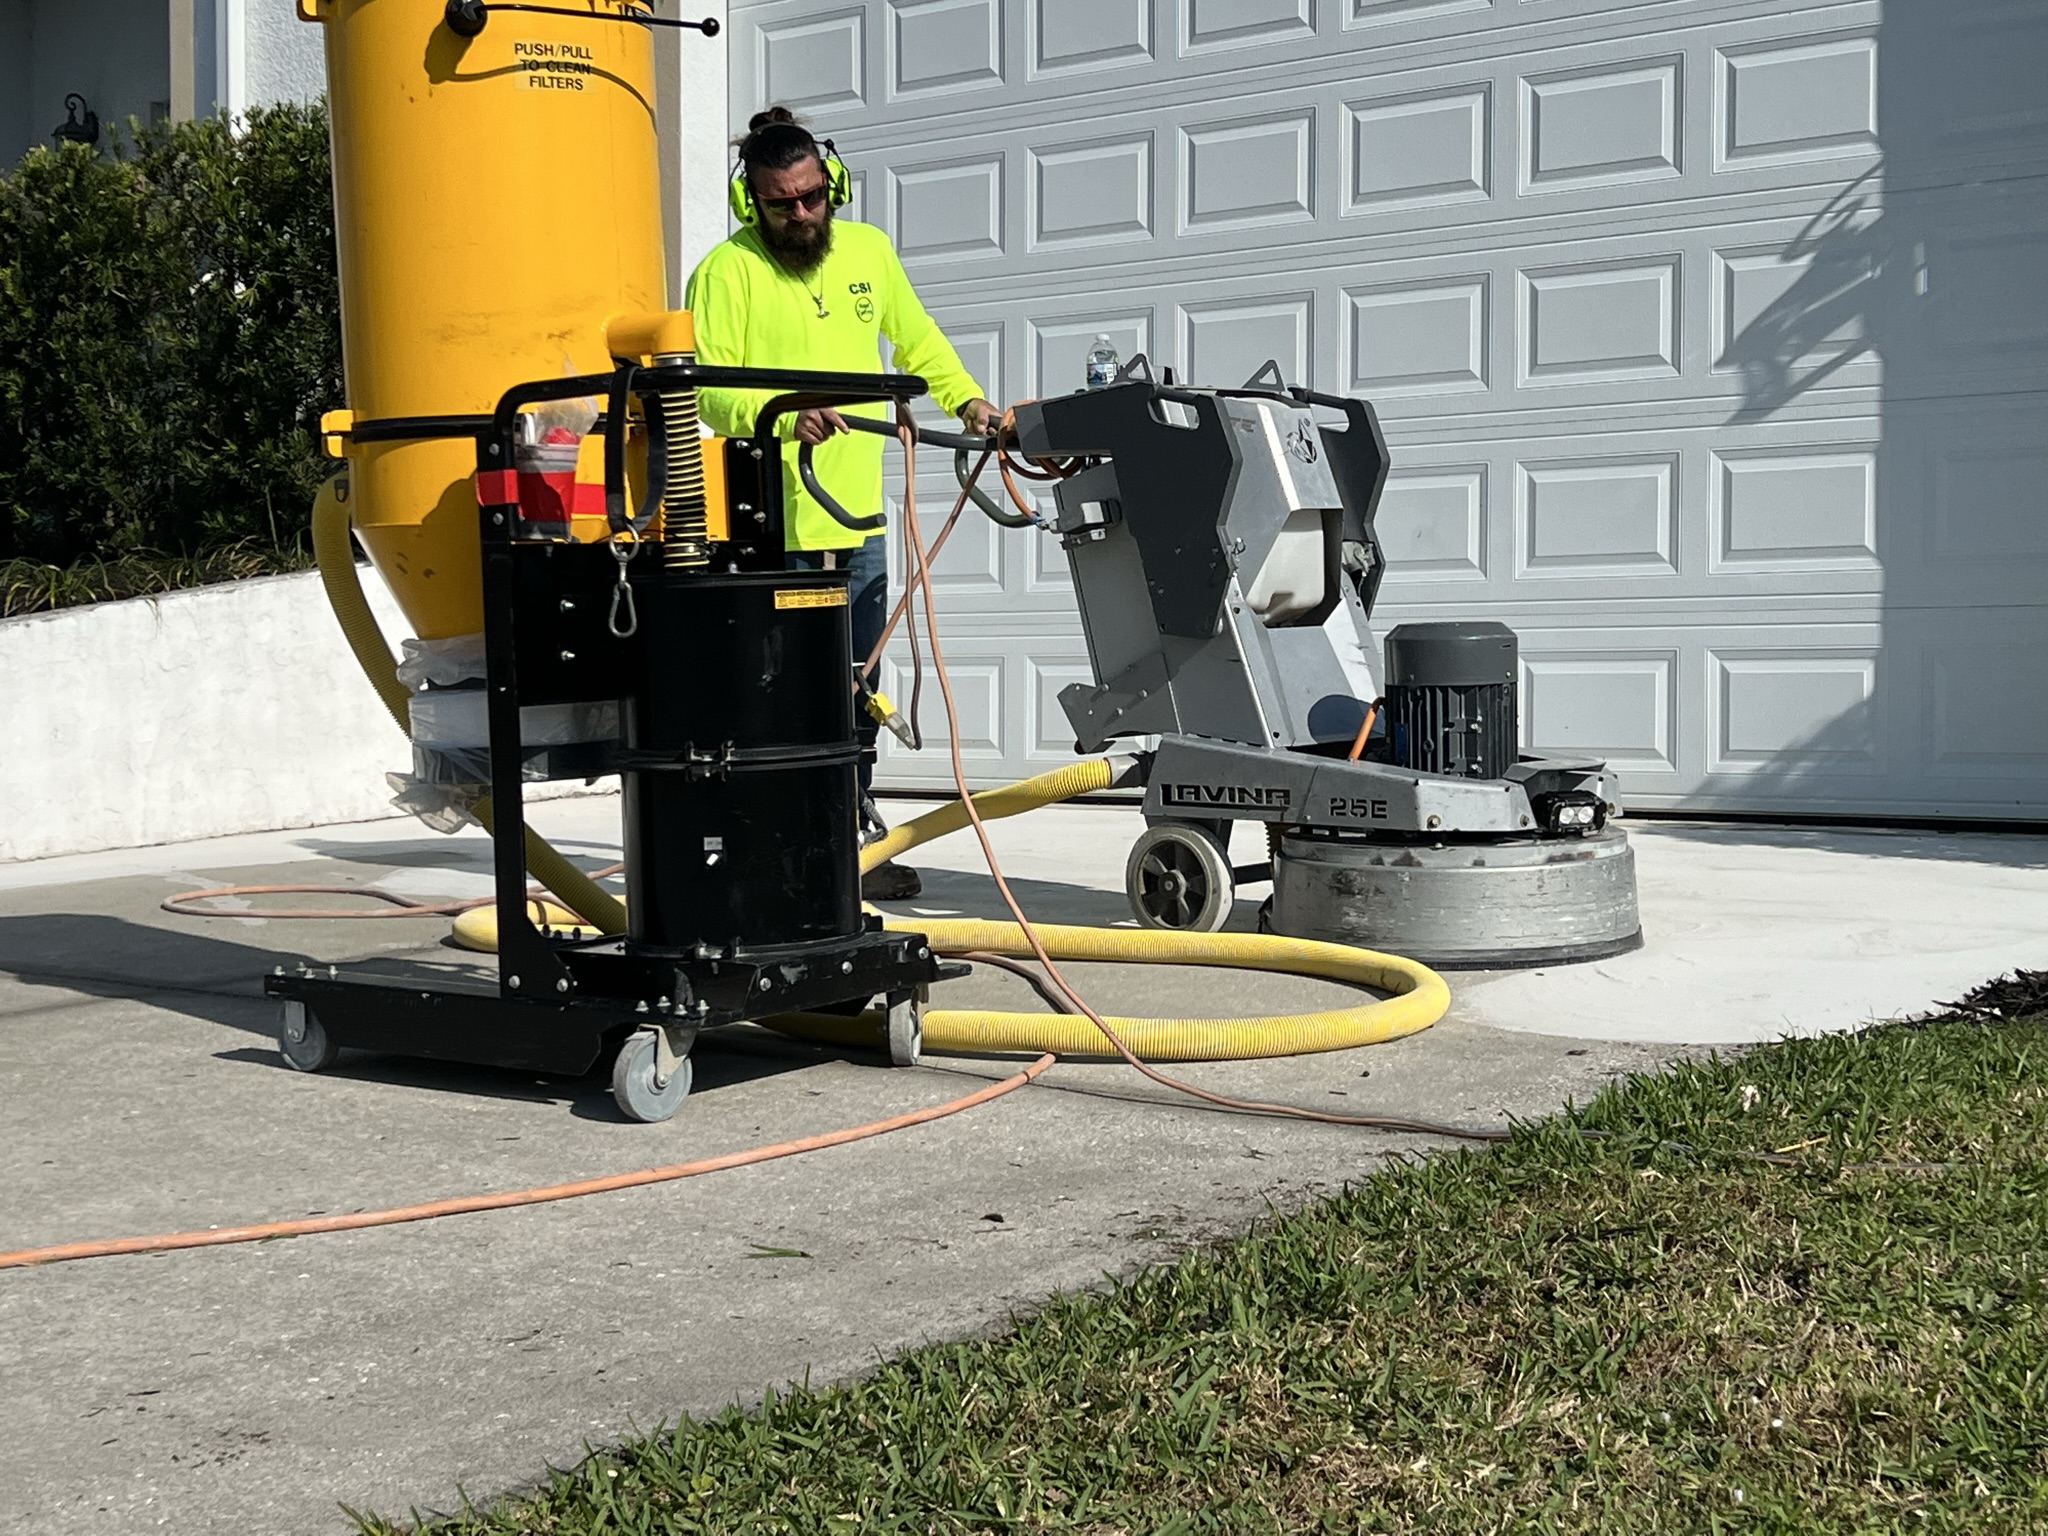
(750, 312)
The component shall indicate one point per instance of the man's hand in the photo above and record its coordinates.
(815, 426)
(981, 415)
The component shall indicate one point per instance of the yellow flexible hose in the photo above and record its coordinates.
(337, 561)
(1419, 1000)
(1420, 996)
(1083, 778)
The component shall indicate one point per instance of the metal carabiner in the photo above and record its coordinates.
(624, 620)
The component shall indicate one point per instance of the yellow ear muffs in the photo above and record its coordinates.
(739, 191)
(838, 180)
(739, 197)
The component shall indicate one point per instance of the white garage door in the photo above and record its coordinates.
(1711, 339)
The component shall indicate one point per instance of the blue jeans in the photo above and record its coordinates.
(869, 609)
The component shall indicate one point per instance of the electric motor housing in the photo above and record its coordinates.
(1451, 698)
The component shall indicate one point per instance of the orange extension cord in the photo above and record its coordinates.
(463, 1205)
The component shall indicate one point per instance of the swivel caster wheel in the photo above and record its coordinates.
(906, 1028)
(304, 1043)
(640, 1087)
(1178, 877)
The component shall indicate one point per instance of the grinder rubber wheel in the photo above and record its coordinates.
(636, 1087)
(1178, 877)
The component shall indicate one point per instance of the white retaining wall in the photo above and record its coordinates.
(235, 708)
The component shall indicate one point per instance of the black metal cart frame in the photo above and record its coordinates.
(560, 1002)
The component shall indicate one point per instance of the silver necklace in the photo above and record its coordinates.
(817, 295)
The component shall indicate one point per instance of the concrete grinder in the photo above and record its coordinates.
(1226, 566)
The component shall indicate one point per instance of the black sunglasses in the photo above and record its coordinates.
(809, 201)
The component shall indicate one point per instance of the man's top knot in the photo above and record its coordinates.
(775, 140)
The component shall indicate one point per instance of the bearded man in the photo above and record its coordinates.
(795, 288)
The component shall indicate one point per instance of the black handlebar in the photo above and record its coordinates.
(962, 444)
(824, 498)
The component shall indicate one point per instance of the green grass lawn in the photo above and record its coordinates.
(1648, 1330)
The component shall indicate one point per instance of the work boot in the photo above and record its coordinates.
(890, 881)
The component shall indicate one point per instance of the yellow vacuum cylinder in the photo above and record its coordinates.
(496, 203)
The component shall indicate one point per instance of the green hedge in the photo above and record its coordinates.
(169, 335)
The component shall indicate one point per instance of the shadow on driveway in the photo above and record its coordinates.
(218, 981)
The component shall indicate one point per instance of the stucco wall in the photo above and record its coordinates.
(235, 708)
(283, 55)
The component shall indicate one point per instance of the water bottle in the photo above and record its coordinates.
(1103, 363)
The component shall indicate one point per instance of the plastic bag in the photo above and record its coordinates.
(443, 663)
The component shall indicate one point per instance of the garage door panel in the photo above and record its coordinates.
(1418, 149)
(940, 48)
(811, 60)
(1229, 340)
(1793, 510)
(1975, 673)
(1247, 171)
(1597, 519)
(1432, 523)
(950, 209)
(1082, 38)
(1613, 702)
(1091, 192)
(1601, 125)
(1212, 25)
(1427, 337)
(1774, 708)
(1020, 572)
(1963, 503)
(1006, 685)
(982, 683)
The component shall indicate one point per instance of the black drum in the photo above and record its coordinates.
(741, 766)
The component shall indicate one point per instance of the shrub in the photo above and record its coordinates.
(169, 334)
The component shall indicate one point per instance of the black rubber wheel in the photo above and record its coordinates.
(304, 1044)
(635, 1088)
(1179, 878)
(906, 1029)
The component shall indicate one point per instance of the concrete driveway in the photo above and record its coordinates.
(264, 1387)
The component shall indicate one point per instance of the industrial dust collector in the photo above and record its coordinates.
(594, 587)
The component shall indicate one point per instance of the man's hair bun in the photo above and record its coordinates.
(775, 140)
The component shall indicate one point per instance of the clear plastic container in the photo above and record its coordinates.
(547, 483)
(1103, 363)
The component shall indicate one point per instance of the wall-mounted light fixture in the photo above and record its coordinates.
(81, 124)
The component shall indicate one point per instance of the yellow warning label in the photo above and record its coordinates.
(810, 597)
